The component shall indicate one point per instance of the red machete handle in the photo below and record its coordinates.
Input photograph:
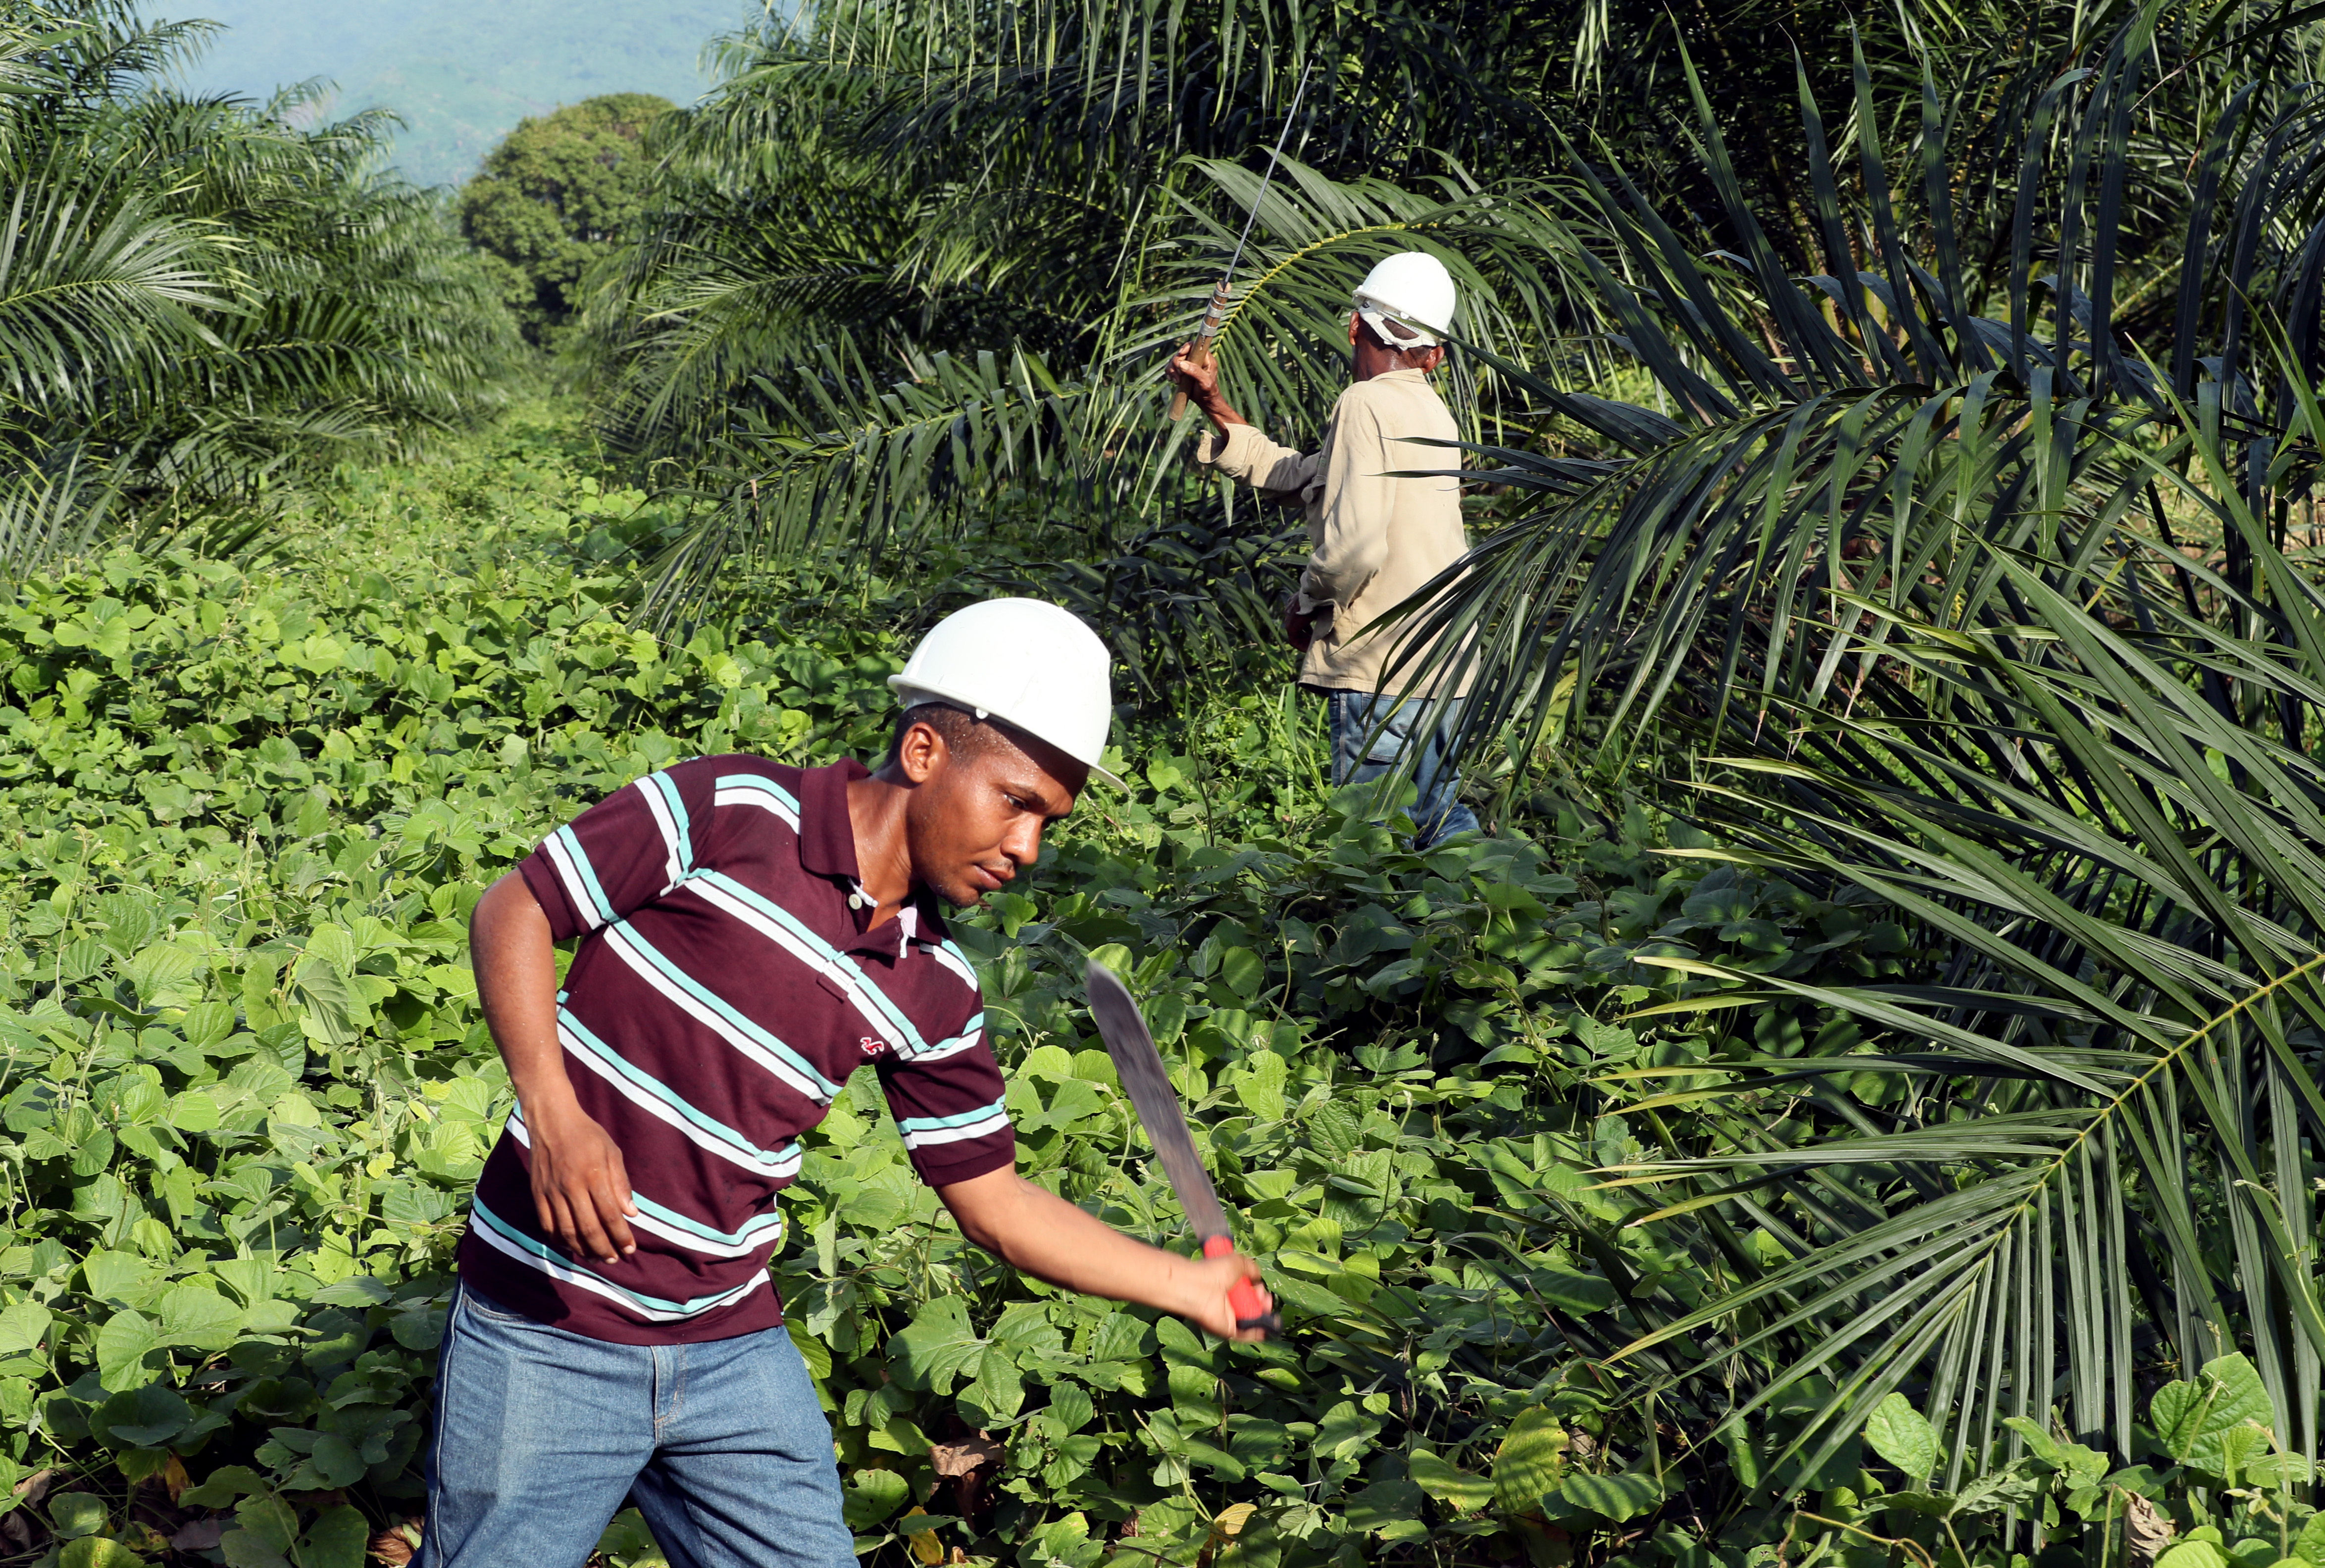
(1250, 1309)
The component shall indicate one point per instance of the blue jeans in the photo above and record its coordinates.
(1401, 723)
(540, 1433)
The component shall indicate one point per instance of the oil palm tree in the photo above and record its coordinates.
(197, 300)
(1975, 578)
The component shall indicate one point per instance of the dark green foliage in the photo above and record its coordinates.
(554, 197)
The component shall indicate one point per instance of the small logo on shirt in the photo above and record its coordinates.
(870, 1047)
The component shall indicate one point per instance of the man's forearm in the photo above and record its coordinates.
(580, 1185)
(1035, 1230)
(516, 963)
(1219, 412)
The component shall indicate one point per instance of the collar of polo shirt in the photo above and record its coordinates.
(828, 849)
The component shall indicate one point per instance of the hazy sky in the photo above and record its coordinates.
(460, 72)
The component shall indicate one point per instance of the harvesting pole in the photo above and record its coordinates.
(1220, 295)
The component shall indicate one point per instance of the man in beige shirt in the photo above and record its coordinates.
(1375, 537)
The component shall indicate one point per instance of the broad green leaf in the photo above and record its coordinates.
(938, 1347)
(1344, 1432)
(2193, 1554)
(1387, 1508)
(329, 1013)
(628, 1541)
(248, 1548)
(123, 1344)
(336, 1539)
(1260, 1086)
(2192, 1418)
(270, 1519)
(146, 1417)
(872, 1495)
(23, 1327)
(1243, 971)
(1573, 1290)
(198, 1318)
(2044, 1447)
(163, 971)
(75, 1513)
(107, 1276)
(222, 1486)
(335, 1461)
(98, 1552)
(193, 1112)
(1901, 1435)
(1332, 1129)
(1448, 1483)
(1530, 1461)
(2012, 1486)
(1612, 1497)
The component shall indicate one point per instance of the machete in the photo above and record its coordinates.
(1224, 293)
(1140, 1066)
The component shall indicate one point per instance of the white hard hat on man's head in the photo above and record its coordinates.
(1034, 665)
(1413, 290)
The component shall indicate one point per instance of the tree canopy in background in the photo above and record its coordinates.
(557, 195)
(456, 74)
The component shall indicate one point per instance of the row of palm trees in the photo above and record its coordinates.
(202, 299)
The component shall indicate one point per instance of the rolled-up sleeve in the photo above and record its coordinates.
(1244, 454)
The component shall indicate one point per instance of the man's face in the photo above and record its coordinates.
(973, 820)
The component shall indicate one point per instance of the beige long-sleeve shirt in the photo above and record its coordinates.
(1374, 539)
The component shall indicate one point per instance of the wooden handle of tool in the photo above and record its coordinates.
(1202, 354)
(1250, 1307)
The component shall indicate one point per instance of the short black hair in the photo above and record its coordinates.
(964, 734)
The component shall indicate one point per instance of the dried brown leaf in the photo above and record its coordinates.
(965, 1457)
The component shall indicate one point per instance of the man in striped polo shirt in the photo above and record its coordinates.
(748, 936)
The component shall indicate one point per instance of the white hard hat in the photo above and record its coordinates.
(1031, 665)
(1413, 290)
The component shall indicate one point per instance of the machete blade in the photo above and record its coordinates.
(1149, 1086)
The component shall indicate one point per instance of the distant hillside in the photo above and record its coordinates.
(460, 72)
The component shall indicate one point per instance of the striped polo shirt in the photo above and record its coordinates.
(727, 982)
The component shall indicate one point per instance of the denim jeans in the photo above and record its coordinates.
(1402, 723)
(540, 1433)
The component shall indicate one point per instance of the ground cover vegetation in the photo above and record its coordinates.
(251, 804)
(1858, 1104)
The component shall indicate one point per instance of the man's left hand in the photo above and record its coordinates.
(1033, 1229)
(1210, 1303)
(1299, 625)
